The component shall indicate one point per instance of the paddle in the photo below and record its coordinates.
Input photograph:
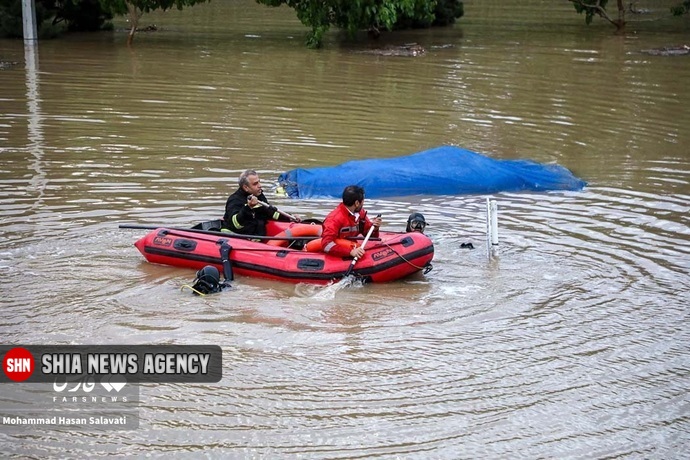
(224, 234)
(282, 213)
(211, 232)
(364, 243)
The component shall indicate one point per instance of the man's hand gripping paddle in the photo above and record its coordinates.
(364, 243)
(282, 213)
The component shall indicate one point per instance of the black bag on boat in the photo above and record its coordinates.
(209, 225)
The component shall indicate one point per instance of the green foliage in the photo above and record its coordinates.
(589, 8)
(83, 15)
(445, 13)
(371, 15)
(53, 17)
(598, 7)
(11, 21)
(134, 9)
(11, 18)
(379, 15)
(681, 8)
(121, 7)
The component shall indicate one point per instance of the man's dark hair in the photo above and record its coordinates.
(351, 194)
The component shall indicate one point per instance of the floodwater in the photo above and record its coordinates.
(571, 341)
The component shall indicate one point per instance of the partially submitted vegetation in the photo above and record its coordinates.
(371, 15)
(134, 9)
(591, 8)
(374, 16)
(54, 17)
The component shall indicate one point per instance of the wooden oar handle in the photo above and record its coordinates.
(364, 243)
(227, 234)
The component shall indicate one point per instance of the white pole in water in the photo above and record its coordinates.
(491, 226)
(29, 20)
(494, 223)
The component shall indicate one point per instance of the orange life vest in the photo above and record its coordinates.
(296, 230)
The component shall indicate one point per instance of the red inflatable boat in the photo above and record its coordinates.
(390, 257)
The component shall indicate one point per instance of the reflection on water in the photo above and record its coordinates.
(572, 341)
(35, 134)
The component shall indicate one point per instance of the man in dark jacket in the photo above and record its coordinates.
(243, 211)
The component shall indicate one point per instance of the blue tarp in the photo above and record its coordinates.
(439, 171)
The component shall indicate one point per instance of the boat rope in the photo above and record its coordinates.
(192, 289)
(427, 268)
(208, 280)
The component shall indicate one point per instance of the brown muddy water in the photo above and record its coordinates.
(572, 342)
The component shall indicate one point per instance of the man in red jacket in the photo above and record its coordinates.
(348, 219)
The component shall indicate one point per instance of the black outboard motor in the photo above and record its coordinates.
(416, 223)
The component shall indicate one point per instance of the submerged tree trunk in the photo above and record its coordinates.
(620, 23)
(134, 16)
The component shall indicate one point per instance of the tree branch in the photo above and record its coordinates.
(595, 7)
